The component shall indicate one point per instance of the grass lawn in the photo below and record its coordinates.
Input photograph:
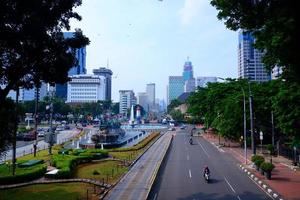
(65, 191)
(109, 169)
(5, 170)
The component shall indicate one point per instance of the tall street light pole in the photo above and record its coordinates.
(245, 126)
(251, 121)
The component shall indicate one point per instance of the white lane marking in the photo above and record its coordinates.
(190, 173)
(155, 196)
(188, 157)
(229, 184)
(239, 197)
(203, 149)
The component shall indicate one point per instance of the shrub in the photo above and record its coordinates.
(267, 166)
(257, 159)
(29, 174)
(95, 172)
(270, 148)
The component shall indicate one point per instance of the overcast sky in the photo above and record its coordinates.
(148, 40)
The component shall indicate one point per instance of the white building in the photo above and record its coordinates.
(29, 94)
(127, 99)
(86, 88)
(276, 72)
(202, 81)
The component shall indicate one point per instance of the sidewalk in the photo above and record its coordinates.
(285, 180)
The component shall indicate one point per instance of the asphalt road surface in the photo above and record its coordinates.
(181, 174)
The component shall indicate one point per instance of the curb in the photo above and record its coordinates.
(124, 175)
(262, 185)
(153, 177)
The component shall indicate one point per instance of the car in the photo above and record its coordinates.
(171, 129)
(41, 133)
(29, 136)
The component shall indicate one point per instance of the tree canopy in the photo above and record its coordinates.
(274, 24)
(32, 46)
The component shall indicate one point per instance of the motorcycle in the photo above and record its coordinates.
(206, 176)
(191, 141)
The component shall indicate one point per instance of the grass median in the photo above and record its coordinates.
(57, 191)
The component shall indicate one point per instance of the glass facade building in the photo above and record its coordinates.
(250, 64)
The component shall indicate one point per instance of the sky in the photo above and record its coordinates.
(146, 41)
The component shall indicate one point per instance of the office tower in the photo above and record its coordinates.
(107, 73)
(150, 90)
(175, 87)
(187, 70)
(202, 81)
(143, 100)
(127, 99)
(86, 88)
(250, 64)
(61, 90)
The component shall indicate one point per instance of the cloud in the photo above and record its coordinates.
(191, 10)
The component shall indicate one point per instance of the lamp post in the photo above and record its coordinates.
(245, 126)
(251, 121)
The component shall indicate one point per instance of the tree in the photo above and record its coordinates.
(174, 103)
(32, 46)
(274, 24)
(177, 115)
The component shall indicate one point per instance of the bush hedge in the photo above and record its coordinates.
(257, 159)
(25, 175)
(67, 163)
(267, 166)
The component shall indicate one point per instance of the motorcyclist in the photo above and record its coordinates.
(206, 170)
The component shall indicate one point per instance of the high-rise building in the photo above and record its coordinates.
(107, 73)
(187, 70)
(127, 99)
(61, 90)
(250, 65)
(175, 87)
(202, 81)
(150, 90)
(86, 88)
(143, 100)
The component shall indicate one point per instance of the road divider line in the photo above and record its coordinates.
(203, 149)
(229, 184)
(188, 157)
(190, 173)
(239, 197)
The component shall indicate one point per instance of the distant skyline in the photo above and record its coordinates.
(149, 40)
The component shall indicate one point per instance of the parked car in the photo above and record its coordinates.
(29, 136)
(41, 133)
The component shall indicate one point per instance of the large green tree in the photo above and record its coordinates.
(274, 23)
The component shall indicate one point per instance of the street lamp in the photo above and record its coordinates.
(245, 123)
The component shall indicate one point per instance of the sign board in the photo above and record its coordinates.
(261, 135)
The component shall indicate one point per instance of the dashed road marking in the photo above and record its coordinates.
(229, 185)
(203, 149)
(190, 173)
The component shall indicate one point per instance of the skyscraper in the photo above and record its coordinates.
(175, 88)
(187, 70)
(150, 90)
(250, 65)
(61, 90)
(107, 73)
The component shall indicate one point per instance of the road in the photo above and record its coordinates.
(180, 175)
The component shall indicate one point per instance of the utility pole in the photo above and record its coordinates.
(36, 119)
(14, 149)
(273, 130)
(245, 127)
(251, 121)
